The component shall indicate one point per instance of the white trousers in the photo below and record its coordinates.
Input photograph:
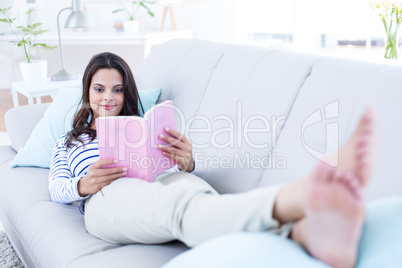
(175, 206)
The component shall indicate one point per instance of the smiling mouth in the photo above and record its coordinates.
(108, 107)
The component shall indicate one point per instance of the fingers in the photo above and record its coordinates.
(172, 141)
(103, 162)
(176, 139)
(175, 151)
(120, 171)
(177, 135)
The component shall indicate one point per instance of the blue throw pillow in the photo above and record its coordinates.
(56, 122)
(380, 245)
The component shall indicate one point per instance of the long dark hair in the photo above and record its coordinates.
(84, 117)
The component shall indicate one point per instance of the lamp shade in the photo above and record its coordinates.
(78, 19)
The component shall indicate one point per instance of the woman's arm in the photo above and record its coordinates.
(98, 177)
(62, 184)
(91, 176)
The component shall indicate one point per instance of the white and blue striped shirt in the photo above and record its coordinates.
(69, 165)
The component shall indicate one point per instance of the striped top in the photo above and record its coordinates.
(68, 165)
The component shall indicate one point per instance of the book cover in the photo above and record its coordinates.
(133, 141)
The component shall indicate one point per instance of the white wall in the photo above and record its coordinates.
(219, 20)
(231, 20)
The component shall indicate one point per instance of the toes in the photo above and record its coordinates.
(366, 123)
(369, 115)
(353, 183)
(365, 146)
(338, 176)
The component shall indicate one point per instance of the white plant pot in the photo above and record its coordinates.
(131, 26)
(34, 73)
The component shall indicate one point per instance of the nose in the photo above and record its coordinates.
(107, 96)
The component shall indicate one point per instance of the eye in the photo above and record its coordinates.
(118, 90)
(98, 89)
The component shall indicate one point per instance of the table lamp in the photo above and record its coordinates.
(77, 19)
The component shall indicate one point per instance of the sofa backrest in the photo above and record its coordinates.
(235, 100)
(259, 117)
(344, 88)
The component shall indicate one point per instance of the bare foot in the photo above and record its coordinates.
(357, 154)
(334, 216)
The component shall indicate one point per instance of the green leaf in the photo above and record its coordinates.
(36, 25)
(22, 42)
(43, 45)
(30, 11)
(4, 10)
(39, 32)
(118, 10)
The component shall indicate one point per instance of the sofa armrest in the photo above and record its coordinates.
(20, 122)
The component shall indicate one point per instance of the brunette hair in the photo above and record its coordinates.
(84, 117)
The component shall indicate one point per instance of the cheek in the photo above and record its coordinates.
(121, 101)
(94, 100)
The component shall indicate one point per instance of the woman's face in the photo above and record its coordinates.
(106, 95)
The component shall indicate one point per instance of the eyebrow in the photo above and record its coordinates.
(97, 84)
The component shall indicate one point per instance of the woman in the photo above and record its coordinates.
(324, 212)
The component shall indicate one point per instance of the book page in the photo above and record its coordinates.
(159, 117)
(124, 138)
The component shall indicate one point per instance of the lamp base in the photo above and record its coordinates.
(63, 75)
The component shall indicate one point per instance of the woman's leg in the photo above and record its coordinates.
(182, 207)
(134, 211)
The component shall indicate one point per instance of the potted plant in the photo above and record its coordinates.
(131, 24)
(33, 70)
(390, 13)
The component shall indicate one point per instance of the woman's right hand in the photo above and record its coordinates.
(98, 177)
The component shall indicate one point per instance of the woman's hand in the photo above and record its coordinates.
(181, 149)
(98, 177)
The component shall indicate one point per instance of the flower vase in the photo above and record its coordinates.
(391, 45)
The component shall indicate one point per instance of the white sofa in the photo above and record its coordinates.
(294, 106)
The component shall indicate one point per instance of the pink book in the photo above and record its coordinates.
(133, 140)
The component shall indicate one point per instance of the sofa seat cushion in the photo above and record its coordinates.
(54, 233)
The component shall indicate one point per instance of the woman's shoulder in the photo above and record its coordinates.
(83, 138)
(62, 141)
(62, 138)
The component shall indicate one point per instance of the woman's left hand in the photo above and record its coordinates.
(181, 149)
